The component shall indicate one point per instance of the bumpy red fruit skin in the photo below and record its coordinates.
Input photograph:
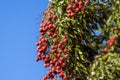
(74, 6)
(65, 50)
(66, 56)
(46, 60)
(54, 26)
(52, 63)
(57, 63)
(105, 50)
(73, 1)
(37, 43)
(50, 26)
(80, 3)
(63, 64)
(114, 37)
(61, 59)
(72, 14)
(87, 2)
(77, 9)
(61, 74)
(42, 20)
(58, 55)
(43, 57)
(108, 42)
(65, 40)
(59, 45)
(54, 16)
(40, 50)
(68, 15)
(54, 79)
(50, 33)
(37, 59)
(53, 51)
(63, 47)
(55, 40)
(46, 40)
(46, 65)
(55, 59)
(69, 7)
(43, 78)
(58, 67)
(44, 47)
(53, 47)
(54, 35)
(113, 40)
(111, 43)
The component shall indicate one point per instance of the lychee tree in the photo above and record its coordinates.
(80, 39)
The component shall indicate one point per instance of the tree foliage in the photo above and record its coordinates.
(80, 39)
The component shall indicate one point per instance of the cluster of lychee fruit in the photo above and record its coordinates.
(57, 62)
(54, 54)
(75, 7)
(110, 43)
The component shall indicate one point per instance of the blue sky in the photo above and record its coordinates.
(19, 25)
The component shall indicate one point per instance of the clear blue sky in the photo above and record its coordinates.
(19, 24)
